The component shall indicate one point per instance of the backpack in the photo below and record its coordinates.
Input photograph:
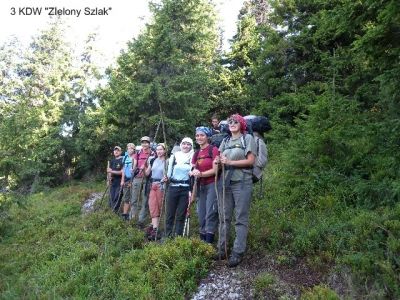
(217, 139)
(261, 159)
(127, 165)
(258, 124)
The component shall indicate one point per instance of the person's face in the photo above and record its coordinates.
(201, 138)
(145, 145)
(160, 151)
(214, 123)
(234, 126)
(130, 150)
(186, 147)
(117, 152)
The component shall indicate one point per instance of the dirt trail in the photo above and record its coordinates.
(285, 281)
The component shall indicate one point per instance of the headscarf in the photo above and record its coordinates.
(182, 157)
(205, 130)
(241, 120)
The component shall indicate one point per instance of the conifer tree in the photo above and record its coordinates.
(167, 68)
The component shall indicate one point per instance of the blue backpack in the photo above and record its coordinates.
(127, 166)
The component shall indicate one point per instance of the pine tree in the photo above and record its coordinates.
(167, 69)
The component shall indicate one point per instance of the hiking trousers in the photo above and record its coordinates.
(114, 200)
(138, 201)
(237, 199)
(177, 202)
(207, 208)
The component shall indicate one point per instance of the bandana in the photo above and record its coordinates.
(241, 120)
(205, 130)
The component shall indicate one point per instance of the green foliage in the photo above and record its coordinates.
(62, 253)
(262, 282)
(169, 65)
(320, 292)
(43, 100)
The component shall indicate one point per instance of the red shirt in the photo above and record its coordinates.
(141, 158)
(203, 162)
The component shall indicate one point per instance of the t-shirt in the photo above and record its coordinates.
(141, 158)
(157, 169)
(205, 162)
(116, 164)
(233, 149)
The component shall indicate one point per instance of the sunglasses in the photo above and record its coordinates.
(233, 122)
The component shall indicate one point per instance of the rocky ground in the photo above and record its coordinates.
(88, 206)
(257, 278)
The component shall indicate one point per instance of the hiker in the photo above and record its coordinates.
(127, 177)
(115, 173)
(204, 170)
(179, 167)
(215, 128)
(156, 173)
(237, 159)
(139, 182)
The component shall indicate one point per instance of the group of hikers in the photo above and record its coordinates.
(219, 179)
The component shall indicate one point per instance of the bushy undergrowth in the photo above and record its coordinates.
(50, 250)
(331, 195)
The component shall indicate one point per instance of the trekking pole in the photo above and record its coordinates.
(223, 208)
(191, 200)
(219, 206)
(117, 205)
(163, 199)
(140, 195)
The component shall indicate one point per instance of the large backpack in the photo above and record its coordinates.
(258, 124)
(261, 159)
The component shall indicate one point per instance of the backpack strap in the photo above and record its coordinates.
(210, 154)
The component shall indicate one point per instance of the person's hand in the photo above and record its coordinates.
(109, 170)
(195, 173)
(224, 160)
(217, 160)
(165, 179)
(122, 183)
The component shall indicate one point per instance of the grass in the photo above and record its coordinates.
(50, 250)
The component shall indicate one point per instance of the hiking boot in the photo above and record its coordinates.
(202, 236)
(125, 217)
(234, 260)
(154, 235)
(148, 231)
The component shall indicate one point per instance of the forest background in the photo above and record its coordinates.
(326, 73)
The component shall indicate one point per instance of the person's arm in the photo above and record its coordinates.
(243, 163)
(123, 176)
(147, 170)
